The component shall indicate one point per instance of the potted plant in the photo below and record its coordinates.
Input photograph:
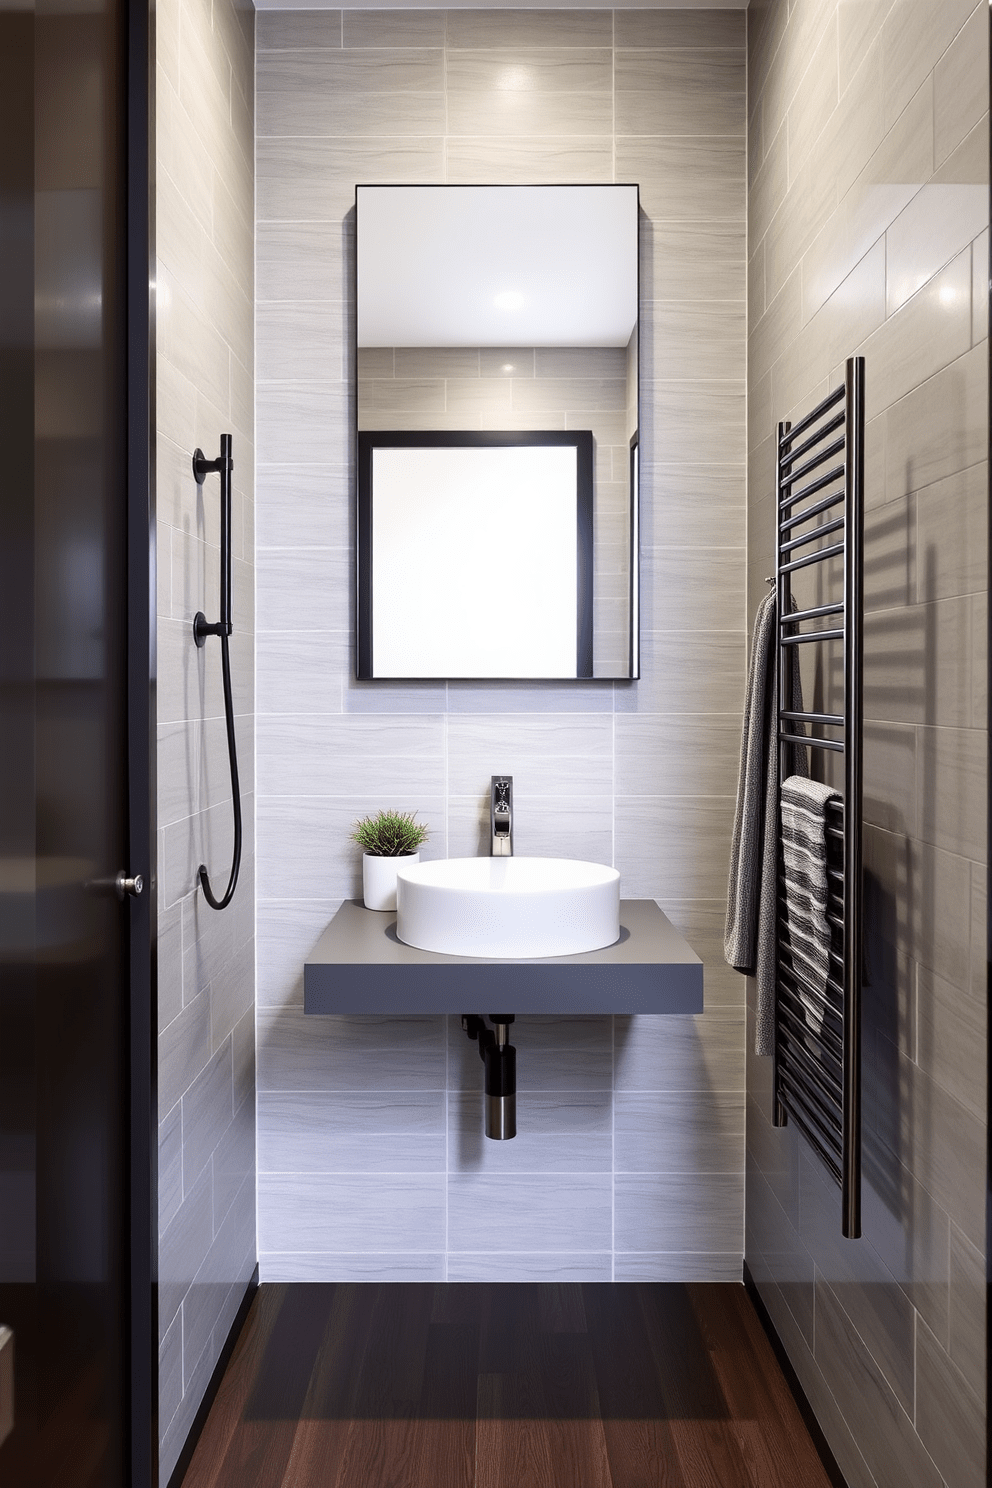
(389, 839)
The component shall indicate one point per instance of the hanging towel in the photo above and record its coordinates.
(749, 934)
(804, 853)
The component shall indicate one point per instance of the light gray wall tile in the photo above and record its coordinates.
(353, 757)
(680, 1266)
(667, 1211)
(553, 1054)
(287, 932)
(699, 1052)
(685, 179)
(680, 91)
(561, 1133)
(680, 28)
(207, 1110)
(513, 1266)
(302, 1053)
(950, 1417)
(340, 1212)
(170, 1167)
(183, 1051)
(670, 847)
(364, 1265)
(506, 1212)
(170, 1371)
(374, 28)
(519, 160)
(693, 755)
(489, 30)
(304, 589)
(967, 1310)
(234, 1160)
(298, 30)
(229, 1260)
(351, 1132)
(653, 1133)
(879, 1424)
(544, 827)
(181, 1249)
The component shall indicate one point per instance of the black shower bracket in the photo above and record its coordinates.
(222, 466)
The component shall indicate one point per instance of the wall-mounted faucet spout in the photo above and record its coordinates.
(501, 816)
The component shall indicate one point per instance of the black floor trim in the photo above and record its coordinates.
(792, 1380)
(210, 1393)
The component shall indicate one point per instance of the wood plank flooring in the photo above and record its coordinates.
(504, 1386)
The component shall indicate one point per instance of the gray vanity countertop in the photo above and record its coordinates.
(360, 966)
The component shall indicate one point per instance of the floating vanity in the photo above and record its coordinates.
(359, 965)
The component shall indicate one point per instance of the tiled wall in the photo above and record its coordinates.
(531, 387)
(868, 233)
(630, 1157)
(204, 280)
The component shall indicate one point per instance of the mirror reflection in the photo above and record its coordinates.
(496, 311)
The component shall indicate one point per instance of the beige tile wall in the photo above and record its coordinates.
(868, 233)
(204, 206)
(630, 1159)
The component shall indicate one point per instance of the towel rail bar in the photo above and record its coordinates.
(837, 448)
(818, 485)
(833, 744)
(817, 1070)
(824, 530)
(814, 510)
(818, 557)
(816, 613)
(803, 982)
(830, 1041)
(808, 420)
(831, 1158)
(834, 718)
(813, 635)
(828, 1035)
(797, 452)
(815, 1103)
(818, 1094)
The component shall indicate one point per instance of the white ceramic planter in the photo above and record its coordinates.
(379, 878)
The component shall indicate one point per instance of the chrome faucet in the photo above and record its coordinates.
(501, 816)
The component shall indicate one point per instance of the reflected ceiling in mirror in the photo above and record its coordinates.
(498, 310)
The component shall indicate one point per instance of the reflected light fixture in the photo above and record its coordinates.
(510, 299)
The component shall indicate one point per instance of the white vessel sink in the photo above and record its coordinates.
(508, 908)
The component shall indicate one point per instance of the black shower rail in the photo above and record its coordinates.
(224, 467)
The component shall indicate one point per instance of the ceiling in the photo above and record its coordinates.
(499, 5)
(497, 265)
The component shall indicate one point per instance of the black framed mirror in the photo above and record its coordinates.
(497, 392)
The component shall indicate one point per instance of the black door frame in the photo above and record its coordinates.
(142, 1217)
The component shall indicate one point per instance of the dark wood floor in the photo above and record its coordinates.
(504, 1386)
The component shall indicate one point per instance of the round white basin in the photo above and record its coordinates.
(508, 908)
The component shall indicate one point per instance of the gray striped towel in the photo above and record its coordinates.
(804, 852)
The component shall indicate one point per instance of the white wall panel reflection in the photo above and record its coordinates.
(510, 609)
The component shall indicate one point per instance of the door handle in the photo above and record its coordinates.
(126, 886)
